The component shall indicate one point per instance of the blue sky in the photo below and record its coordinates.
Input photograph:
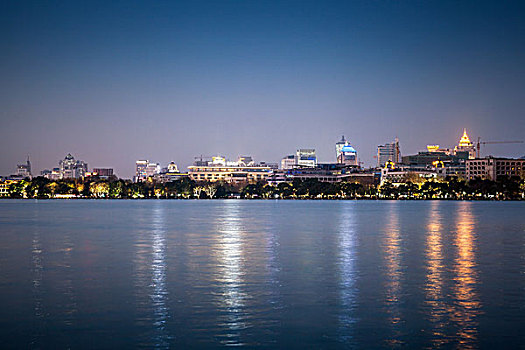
(113, 82)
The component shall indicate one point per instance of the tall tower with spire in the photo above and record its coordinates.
(345, 153)
(28, 165)
(24, 169)
(465, 146)
(339, 146)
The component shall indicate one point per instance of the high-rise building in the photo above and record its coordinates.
(71, 168)
(306, 157)
(24, 170)
(389, 152)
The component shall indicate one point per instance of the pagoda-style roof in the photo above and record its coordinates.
(465, 141)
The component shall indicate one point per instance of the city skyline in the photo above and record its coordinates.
(112, 83)
(394, 155)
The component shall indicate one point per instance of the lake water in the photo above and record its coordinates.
(288, 274)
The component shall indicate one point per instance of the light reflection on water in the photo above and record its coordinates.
(347, 270)
(392, 245)
(70, 302)
(232, 297)
(434, 293)
(38, 302)
(150, 280)
(262, 273)
(467, 306)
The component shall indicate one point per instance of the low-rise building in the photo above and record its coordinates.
(24, 170)
(306, 157)
(494, 168)
(53, 174)
(288, 162)
(219, 169)
(145, 169)
(104, 173)
(325, 172)
(4, 188)
(398, 176)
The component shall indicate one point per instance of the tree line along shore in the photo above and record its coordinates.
(93, 188)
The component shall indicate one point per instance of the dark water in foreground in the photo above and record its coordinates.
(302, 274)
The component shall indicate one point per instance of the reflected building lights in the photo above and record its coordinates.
(229, 252)
(150, 280)
(38, 307)
(392, 247)
(468, 305)
(348, 275)
(434, 285)
(69, 291)
(158, 279)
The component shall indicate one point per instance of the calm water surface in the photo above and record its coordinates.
(289, 274)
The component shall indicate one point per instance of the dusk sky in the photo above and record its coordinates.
(112, 82)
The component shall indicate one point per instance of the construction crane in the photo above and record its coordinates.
(478, 145)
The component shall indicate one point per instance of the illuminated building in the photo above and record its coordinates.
(436, 148)
(103, 173)
(145, 169)
(330, 172)
(172, 168)
(348, 156)
(219, 169)
(71, 168)
(345, 153)
(24, 170)
(169, 174)
(389, 152)
(398, 176)
(465, 147)
(53, 174)
(4, 187)
(428, 158)
(339, 146)
(288, 162)
(493, 168)
(306, 157)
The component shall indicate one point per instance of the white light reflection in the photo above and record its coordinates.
(394, 274)
(229, 252)
(348, 274)
(150, 280)
(69, 291)
(434, 293)
(158, 280)
(37, 270)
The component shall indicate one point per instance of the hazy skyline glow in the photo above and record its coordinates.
(114, 82)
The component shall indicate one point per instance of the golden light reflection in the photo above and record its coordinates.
(392, 253)
(468, 305)
(434, 286)
(348, 274)
(230, 277)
